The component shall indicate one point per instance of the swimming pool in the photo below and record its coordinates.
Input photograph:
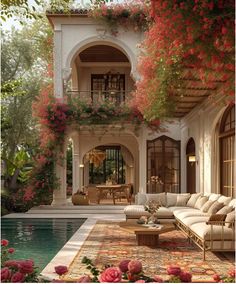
(38, 239)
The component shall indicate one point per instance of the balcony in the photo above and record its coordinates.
(117, 98)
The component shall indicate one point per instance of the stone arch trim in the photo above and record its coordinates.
(107, 41)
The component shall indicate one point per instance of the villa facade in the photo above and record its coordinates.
(194, 153)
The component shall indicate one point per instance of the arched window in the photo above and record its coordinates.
(227, 160)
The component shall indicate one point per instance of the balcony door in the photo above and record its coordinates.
(163, 165)
(110, 87)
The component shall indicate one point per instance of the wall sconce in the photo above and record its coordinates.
(192, 159)
(81, 165)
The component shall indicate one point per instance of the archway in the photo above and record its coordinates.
(191, 166)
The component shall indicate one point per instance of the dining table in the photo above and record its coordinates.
(113, 188)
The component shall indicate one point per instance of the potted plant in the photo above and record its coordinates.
(80, 198)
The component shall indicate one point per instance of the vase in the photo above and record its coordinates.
(79, 199)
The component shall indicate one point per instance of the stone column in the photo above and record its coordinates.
(59, 195)
(57, 54)
(76, 163)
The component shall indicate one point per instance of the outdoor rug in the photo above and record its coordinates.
(107, 243)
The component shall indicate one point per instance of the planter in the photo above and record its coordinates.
(78, 199)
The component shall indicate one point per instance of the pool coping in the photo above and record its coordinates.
(68, 252)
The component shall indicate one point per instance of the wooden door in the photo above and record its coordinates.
(191, 166)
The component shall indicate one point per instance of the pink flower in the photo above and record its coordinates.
(11, 250)
(4, 242)
(157, 279)
(124, 265)
(5, 274)
(84, 279)
(111, 275)
(135, 266)
(12, 263)
(185, 276)
(18, 277)
(140, 281)
(61, 269)
(232, 272)
(216, 277)
(26, 266)
(174, 270)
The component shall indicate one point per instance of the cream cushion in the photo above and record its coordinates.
(182, 199)
(200, 202)
(224, 199)
(138, 210)
(171, 199)
(191, 212)
(213, 196)
(204, 231)
(225, 210)
(193, 199)
(158, 197)
(207, 205)
(141, 199)
(216, 206)
(233, 203)
(230, 217)
(188, 221)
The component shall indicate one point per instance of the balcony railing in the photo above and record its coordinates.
(96, 97)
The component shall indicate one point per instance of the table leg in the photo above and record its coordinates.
(147, 240)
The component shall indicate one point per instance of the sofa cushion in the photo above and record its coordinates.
(178, 208)
(182, 199)
(233, 203)
(204, 231)
(207, 205)
(230, 217)
(213, 196)
(188, 221)
(158, 197)
(138, 210)
(172, 198)
(216, 206)
(225, 210)
(224, 199)
(141, 199)
(191, 212)
(200, 202)
(193, 199)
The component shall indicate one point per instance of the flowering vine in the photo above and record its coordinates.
(188, 39)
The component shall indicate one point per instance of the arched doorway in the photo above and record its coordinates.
(191, 166)
(227, 157)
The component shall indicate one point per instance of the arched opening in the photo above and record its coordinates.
(108, 174)
(163, 165)
(191, 166)
(227, 156)
(101, 72)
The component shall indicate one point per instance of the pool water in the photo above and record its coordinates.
(38, 239)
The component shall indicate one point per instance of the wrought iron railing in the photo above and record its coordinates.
(94, 97)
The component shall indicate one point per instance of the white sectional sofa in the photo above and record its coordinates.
(207, 220)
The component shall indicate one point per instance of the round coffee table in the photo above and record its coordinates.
(146, 236)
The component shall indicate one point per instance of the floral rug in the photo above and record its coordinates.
(107, 243)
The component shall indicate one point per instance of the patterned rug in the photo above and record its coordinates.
(107, 243)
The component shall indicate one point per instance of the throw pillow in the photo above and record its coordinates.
(230, 217)
(224, 199)
(225, 210)
(217, 217)
(206, 206)
(172, 198)
(141, 199)
(216, 206)
(233, 203)
(214, 196)
(193, 199)
(158, 197)
(182, 199)
(200, 202)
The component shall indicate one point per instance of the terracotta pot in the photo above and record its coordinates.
(78, 199)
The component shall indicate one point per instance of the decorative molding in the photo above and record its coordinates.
(101, 33)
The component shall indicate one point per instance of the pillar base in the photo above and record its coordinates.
(59, 201)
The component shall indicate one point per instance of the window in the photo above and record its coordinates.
(163, 165)
(227, 140)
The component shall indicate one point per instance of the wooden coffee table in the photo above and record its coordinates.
(146, 236)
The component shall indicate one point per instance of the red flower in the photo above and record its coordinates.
(12, 263)
(84, 279)
(224, 30)
(18, 277)
(232, 272)
(157, 279)
(185, 277)
(5, 274)
(111, 275)
(4, 242)
(216, 277)
(174, 270)
(11, 250)
(135, 266)
(124, 265)
(26, 266)
(61, 269)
